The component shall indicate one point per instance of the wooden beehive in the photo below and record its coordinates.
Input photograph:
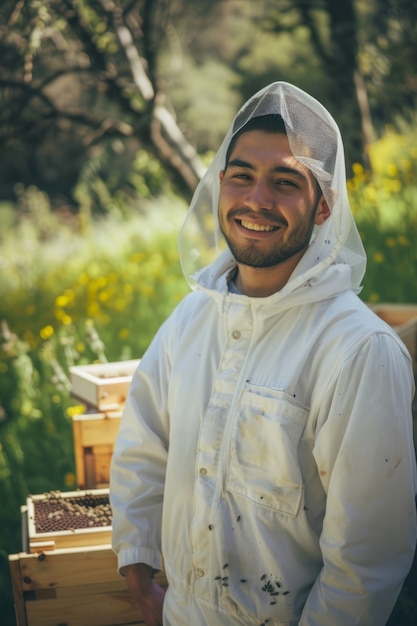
(103, 386)
(70, 578)
(94, 435)
(67, 519)
(72, 587)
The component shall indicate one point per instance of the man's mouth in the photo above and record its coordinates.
(258, 227)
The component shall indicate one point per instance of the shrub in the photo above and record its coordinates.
(384, 202)
(68, 299)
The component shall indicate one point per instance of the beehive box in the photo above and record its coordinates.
(72, 587)
(69, 577)
(67, 519)
(94, 435)
(103, 386)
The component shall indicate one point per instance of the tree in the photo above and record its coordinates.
(332, 28)
(87, 85)
(387, 57)
(85, 73)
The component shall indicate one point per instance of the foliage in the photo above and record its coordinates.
(86, 85)
(384, 202)
(73, 76)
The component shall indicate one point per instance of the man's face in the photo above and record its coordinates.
(269, 202)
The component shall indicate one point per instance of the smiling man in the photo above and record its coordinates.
(268, 206)
(265, 455)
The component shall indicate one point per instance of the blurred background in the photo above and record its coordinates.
(110, 111)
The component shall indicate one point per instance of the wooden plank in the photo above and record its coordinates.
(16, 579)
(77, 433)
(75, 587)
(93, 588)
(74, 567)
(102, 460)
(68, 567)
(73, 539)
(105, 609)
(98, 430)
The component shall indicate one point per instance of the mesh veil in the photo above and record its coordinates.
(315, 141)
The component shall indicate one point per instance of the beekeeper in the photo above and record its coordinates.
(265, 457)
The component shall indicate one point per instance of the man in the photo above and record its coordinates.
(265, 455)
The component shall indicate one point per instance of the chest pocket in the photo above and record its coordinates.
(263, 464)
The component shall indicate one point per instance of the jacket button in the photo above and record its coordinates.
(236, 334)
(203, 471)
(199, 572)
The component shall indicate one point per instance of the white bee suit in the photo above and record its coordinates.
(265, 454)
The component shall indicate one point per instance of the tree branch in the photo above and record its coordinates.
(165, 133)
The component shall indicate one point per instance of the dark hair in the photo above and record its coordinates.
(271, 123)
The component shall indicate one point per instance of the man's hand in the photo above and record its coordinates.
(148, 595)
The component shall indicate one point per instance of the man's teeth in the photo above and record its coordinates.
(259, 227)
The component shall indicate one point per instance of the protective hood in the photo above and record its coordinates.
(315, 141)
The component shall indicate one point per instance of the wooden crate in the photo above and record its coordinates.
(94, 435)
(72, 587)
(103, 386)
(65, 538)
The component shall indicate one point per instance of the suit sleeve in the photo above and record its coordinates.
(139, 460)
(366, 459)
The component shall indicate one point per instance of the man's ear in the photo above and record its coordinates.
(221, 175)
(322, 213)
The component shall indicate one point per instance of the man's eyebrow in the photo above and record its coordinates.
(279, 169)
(240, 163)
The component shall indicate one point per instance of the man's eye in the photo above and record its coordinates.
(286, 182)
(241, 175)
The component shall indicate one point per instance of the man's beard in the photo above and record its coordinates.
(252, 255)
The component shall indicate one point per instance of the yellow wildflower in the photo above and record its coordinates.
(78, 409)
(46, 332)
(61, 301)
(379, 257)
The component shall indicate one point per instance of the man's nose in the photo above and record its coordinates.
(260, 196)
